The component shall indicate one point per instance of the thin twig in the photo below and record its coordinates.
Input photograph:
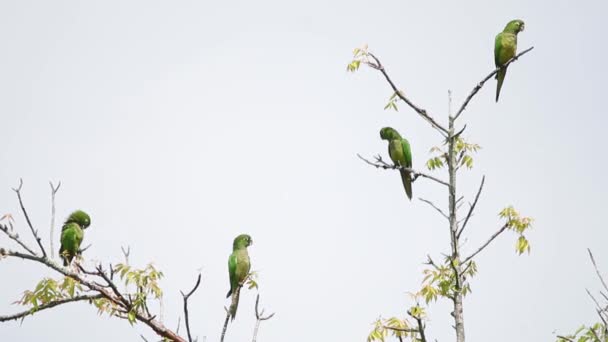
(259, 318)
(599, 275)
(565, 338)
(483, 180)
(48, 305)
(186, 296)
(434, 206)
(225, 325)
(126, 253)
(422, 112)
(15, 237)
(383, 165)
(54, 190)
(400, 329)
(485, 79)
(502, 229)
(27, 218)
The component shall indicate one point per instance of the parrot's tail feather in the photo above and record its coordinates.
(406, 177)
(235, 303)
(500, 77)
(229, 293)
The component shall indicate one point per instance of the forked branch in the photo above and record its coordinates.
(186, 297)
(27, 218)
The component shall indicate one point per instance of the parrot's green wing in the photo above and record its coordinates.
(406, 177)
(71, 238)
(505, 48)
(234, 283)
(401, 154)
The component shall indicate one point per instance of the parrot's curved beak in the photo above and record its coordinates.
(523, 26)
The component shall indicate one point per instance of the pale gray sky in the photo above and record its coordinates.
(180, 124)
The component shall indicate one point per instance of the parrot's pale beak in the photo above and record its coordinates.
(522, 27)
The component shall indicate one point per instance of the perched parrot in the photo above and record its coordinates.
(238, 269)
(400, 153)
(72, 235)
(505, 48)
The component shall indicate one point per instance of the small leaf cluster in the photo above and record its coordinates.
(519, 225)
(49, 290)
(141, 285)
(252, 280)
(359, 56)
(596, 333)
(392, 102)
(400, 328)
(441, 280)
(463, 150)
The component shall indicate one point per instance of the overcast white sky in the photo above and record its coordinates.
(178, 125)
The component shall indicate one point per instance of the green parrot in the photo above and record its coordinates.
(505, 48)
(238, 269)
(401, 154)
(72, 235)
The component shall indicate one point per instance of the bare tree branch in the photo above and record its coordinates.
(502, 229)
(400, 329)
(259, 318)
(49, 305)
(485, 79)
(422, 112)
(54, 190)
(225, 325)
(15, 237)
(27, 218)
(186, 296)
(383, 165)
(435, 207)
(599, 275)
(466, 220)
(126, 253)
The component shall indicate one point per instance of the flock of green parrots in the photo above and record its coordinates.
(505, 48)
(399, 151)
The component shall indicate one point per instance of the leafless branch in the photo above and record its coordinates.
(126, 253)
(54, 190)
(48, 305)
(225, 325)
(485, 79)
(431, 262)
(599, 275)
(400, 329)
(186, 296)
(466, 220)
(15, 237)
(422, 112)
(259, 318)
(502, 229)
(380, 163)
(435, 207)
(27, 218)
